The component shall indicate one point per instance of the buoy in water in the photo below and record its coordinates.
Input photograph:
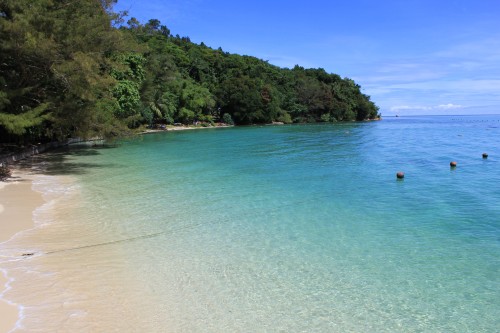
(400, 175)
(485, 155)
(453, 164)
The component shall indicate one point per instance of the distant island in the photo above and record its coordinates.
(78, 69)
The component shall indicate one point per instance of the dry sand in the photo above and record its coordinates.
(17, 203)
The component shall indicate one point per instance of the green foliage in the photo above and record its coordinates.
(206, 82)
(325, 117)
(66, 70)
(130, 67)
(169, 104)
(227, 119)
(147, 115)
(56, 53)
(197, 98)
(285, 117)
(127, 94)
(186, 116)
(18, 124)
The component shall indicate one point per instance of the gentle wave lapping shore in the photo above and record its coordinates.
(54, 278)
(17, 203)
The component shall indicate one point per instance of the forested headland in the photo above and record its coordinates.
(78, 69)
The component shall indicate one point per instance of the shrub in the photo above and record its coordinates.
(226, 118)
(325, 117)
(285, 118)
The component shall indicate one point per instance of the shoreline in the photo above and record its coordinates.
(18, 201)
(52, 289)
(170, 128)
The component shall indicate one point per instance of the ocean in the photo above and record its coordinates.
(293, 228)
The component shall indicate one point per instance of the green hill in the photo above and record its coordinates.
(74, 68)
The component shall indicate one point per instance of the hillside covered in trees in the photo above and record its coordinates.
(77, 69)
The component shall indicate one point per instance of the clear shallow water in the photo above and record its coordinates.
(291, 228)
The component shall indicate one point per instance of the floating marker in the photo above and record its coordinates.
(400, 175)
(453, 164)
(485, 155)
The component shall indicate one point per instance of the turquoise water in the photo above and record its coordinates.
(304, 228)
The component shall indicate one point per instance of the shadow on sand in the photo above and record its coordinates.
(59, 161)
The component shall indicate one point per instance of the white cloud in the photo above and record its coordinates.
(465, 72)
(449, 106)
(463, 85)
(409, 107)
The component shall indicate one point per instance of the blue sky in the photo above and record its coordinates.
(411, 56)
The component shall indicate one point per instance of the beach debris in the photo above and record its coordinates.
(28, 254)
(453, 164)
(485, 155)
(400, 175)
(107, 243)
(4, 172)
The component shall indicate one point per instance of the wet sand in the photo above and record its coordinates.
(8, 312)
(17, 203)
(68, 282)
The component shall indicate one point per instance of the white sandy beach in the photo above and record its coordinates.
(17, 203)
(68, 285)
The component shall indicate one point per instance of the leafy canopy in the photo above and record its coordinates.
(71, 68)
